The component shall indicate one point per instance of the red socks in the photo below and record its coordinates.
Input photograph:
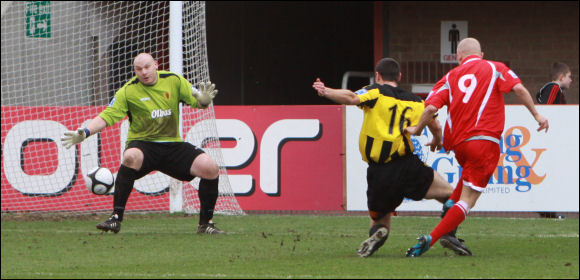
(457, 191)
(455, 216)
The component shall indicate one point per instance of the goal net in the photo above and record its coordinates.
(62, 63)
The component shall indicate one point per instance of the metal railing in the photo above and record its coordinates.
(356, 74)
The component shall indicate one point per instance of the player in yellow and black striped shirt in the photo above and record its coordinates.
(394, 172)
(387, 110)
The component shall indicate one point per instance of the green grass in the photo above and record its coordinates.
(283, 246)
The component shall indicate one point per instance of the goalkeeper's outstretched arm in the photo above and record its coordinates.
(72, 138)
(205, 94)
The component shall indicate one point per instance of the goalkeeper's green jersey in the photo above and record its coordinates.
(153, 111)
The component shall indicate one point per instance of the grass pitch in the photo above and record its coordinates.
(283, 246)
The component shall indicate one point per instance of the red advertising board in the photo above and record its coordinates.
(48, 177)
(295, 162)
(310, 168)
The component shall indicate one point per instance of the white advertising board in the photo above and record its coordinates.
(539, 171)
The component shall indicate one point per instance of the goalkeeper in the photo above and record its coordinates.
(151, 101)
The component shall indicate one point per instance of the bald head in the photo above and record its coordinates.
(467, 47)
(145, 68)
(143, 58)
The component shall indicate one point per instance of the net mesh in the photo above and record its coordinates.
(62, 63)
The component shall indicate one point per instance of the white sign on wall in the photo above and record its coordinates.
(451, 33)
(537, 171)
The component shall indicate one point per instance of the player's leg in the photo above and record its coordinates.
(441, 190)
(184, 162)
(455, 216)
(207, 169)
(128, 172)
(457, 213)
(383, 198)
(380, 226)
(456, 193)
(452, 199)
(447, 205)
(415, 180)
(479, 160)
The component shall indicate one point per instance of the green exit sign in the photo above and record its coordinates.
(38, 19)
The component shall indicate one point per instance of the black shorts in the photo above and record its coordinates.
(389, 183)
(171, 158)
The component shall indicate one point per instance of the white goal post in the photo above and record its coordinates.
(62, 62)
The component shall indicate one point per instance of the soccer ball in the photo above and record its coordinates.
(99, 180)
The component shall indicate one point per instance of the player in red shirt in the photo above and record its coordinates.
(473, 93)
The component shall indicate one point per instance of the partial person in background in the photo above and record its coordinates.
(553, 93)
(393, 172)
(473, 93)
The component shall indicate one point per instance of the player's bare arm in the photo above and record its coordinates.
(525, 98)
(436, 143)
(426, 118)
(341, 96)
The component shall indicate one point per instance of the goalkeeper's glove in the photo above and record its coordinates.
(72, 138)
(205, 94)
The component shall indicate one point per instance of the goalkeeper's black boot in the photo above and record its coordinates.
(209, 228)
(113, 224)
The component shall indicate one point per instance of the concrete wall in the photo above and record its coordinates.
(46, 71)
(88, 55)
